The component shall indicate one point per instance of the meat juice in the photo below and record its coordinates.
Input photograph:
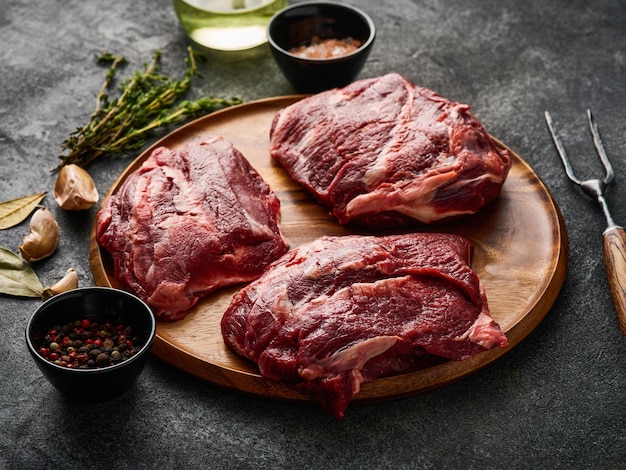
(227, 25)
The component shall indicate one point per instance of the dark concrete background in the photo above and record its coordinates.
(555, 401)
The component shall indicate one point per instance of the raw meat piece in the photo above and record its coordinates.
(189, 222)
(384, 151)
(339, 311)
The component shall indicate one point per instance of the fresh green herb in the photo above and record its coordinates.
(148, 100)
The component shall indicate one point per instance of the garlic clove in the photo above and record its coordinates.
(43, 237)
(74, 189)
(68, 282)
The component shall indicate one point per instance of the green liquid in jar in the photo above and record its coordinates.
(227, 25)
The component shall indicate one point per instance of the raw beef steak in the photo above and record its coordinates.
(384, 151)
(189, 222)
(341, 311)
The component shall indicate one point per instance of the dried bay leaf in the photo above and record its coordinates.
(17, 278)
(16, 210)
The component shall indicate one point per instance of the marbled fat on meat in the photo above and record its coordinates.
(339, 311)
(383, 151)
(189, 222)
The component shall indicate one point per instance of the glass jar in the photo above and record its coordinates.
(227, 25)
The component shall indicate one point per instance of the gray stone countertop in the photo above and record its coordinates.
(557, 400)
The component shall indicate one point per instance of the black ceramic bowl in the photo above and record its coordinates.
(99, 304)
(297, 24)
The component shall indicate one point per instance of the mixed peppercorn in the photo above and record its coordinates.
(86, 344)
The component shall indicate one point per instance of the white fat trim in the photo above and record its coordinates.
(351, 358)
(484, 332)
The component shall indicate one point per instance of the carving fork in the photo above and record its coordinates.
(614, 237)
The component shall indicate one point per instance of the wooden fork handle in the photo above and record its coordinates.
(614, 240)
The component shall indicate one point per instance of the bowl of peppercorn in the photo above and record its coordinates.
(91, 343)
(320, 45)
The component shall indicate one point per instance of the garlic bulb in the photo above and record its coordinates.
(43, 237)
(68, 282)
(74, 189)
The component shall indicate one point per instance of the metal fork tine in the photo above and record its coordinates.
(597, 142)
(614, 237)
(561, 150)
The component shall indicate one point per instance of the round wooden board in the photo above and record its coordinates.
(520, 256)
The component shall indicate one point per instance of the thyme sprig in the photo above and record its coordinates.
(147, 101)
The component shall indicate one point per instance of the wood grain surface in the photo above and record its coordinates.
(614, 248)
(520, 256)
